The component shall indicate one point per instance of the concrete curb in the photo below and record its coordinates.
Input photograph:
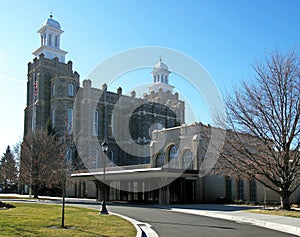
(261, 223)
(139, 226)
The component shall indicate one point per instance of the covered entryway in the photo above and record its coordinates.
(148, 185)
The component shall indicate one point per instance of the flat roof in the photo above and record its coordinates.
(134, 174)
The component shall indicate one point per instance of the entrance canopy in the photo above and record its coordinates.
(136, 174)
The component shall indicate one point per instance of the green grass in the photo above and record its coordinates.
(44, 220)
(291, 213)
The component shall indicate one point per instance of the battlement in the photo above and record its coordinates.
(54, 64)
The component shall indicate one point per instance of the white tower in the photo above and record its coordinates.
(50, 40)
(161, 78)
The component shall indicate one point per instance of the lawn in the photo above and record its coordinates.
(30, 219)
(291, 213)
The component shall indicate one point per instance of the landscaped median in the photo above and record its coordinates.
(291, 213)
(32, 219)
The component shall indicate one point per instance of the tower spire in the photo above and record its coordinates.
(160, 77)
(50, 33)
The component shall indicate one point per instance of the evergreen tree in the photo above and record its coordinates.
(8, 169)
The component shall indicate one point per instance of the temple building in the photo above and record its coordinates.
(153, 156)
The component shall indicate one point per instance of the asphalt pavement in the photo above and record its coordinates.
(196, 220)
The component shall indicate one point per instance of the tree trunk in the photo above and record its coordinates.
(285, 200)
(35, 190)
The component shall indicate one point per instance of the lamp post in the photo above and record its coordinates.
(104, 146)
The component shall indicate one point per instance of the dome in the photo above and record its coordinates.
(160, 65)
(51, 23)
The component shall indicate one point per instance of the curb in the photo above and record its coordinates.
(143, 229)
(266, 224)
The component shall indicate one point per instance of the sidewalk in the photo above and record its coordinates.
(237, 213)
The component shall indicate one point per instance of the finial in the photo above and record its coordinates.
(160, 58)
(51, 16)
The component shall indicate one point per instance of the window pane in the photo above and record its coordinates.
(70, 89)
(53, 90)
(70, 121)
(173, 157)
(160, 160)
(53, 118)
(187, 160)
(95, 122)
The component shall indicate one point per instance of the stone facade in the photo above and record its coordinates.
(47, 93)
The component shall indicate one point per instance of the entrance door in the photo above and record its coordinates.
(189, 191)
(182, 191)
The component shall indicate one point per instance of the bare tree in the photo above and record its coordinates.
(263, 117)
(8, 170)
(42, 161)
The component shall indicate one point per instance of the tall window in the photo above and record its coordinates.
(160, 160)
(53, 118)
(110, 125)
(56, 41)
(240, 189)
(173, 157)
(253, 196)
(187, 160)
(53, 92)
(228, 188)
(70, 89)
(70, 121)
(49, 39)
(69, 155)
(96, 123)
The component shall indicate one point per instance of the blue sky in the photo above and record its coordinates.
(225, 37)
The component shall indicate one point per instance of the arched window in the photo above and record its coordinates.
(70, 89)
(96, 123)
(53, 118)
(70, 121)
(160, 160)
(187, 160)
(173, 157)
(53, 92)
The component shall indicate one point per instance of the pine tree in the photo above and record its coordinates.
(8, 169)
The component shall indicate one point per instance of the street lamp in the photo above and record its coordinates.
(104, 146)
